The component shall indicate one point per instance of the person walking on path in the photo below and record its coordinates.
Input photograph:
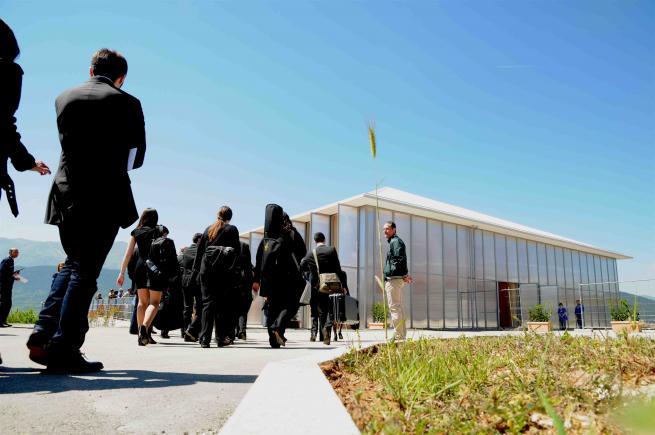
(563, 316)
(7, 278)
(328, 262)
(579, 312)
(102, 135)
(215, 266)
(243, 292)
(11, 147)
(396, 275)
(190, 291)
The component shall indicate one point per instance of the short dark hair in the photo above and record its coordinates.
(319, 237)
(8, 45)
(392, 224)
(196, 237)
(108, 63)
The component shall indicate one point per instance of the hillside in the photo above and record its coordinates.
(37, 253)
(34, 292)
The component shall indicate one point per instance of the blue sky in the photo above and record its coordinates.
(539, 112)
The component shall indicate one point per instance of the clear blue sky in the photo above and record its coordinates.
(539, 112)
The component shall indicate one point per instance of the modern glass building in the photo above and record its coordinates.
(470, 270)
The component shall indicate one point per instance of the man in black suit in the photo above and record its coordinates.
(102, 135)
(328, 262)
(191, 292)
(7, 278)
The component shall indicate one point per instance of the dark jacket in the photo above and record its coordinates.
(328, 262)
(7, 274)
(98, 125)
(186, 259)
(11, 78)
(396, 263)
(228, 236)
(245, 268)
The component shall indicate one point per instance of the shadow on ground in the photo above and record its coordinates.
(30, 380)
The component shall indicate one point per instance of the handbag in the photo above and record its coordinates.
(306, 296)
(327, 282)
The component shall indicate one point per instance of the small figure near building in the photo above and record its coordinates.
(563, 316)
(579, 312)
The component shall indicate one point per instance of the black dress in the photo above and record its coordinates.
(144, 237)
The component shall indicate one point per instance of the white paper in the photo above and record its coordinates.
(130, 159)
(22, 279)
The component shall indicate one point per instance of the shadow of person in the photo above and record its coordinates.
(31, 380)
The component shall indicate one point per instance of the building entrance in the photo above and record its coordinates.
(509, 305)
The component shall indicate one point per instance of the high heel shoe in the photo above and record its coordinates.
(143, 336)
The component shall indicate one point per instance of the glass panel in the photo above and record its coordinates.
(550, 261)
(435, 248)
(600, 301)
(533, 266)
(351, 276)
(365, 284)
(302, 229)
(501, 258)
(543, 264)
(559, 267)
(404, 231)
(512, 260)
(466, 305)
(549, 300)
(522, 254)
(477, 248)
(320, 222)
(451, 301)
(435, 300)
(463, 252)
(450, 250)
(491, 303)
(489, 256)
(529, 298)
(419, 271)
(569, 303)
(347, 236)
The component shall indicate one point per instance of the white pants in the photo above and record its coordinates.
(394, 290)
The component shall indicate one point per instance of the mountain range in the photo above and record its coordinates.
(39, 262)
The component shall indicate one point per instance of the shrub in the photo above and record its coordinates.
(620, 311)
(26, 316)
(378, 312)
(538, 314)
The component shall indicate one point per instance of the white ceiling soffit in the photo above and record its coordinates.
(404, 202)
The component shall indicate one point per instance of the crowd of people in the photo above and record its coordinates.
(102, 136)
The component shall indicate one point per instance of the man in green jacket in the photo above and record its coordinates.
(396, 275)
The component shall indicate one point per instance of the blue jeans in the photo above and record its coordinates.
(64, 317)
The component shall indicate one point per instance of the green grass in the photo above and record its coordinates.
(23, 316)
(493, 384)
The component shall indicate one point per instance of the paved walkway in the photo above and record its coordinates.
(172, 387)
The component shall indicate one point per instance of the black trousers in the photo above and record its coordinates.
(243, 306)
(214, 308)
(64, 316)
(5, 302)
(313, 307)
(192, 299)
(324, 308)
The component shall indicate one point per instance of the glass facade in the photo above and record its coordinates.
(464, 277)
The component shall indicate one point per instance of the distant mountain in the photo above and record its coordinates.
(35, 291)
(36, 253)
(646, 304)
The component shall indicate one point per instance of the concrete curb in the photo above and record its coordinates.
(292, 397)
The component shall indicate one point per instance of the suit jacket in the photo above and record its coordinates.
(7, 274)
(98, 125)
(11, 76)
(328, 262)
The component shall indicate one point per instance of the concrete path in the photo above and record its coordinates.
(170, 387)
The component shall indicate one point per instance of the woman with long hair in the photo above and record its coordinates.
(148, 291)
(218, 250)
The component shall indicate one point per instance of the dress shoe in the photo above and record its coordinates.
(5, 325)
(224, 342)
(241, 336)
(326, 334)
(164, 334)
(37, 344)
(151, 340)
(204, 345)
(71, 364)
(143, 335)
(312, 337)
(279, 338)
(273, 341)
(340, 336)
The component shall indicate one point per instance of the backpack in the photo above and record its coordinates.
(162, 260)
(272, 268)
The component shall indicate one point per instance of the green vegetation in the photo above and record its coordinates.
(378, 312)
(620, 311)
(538, 314)
(23, 316)
(507, 384)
